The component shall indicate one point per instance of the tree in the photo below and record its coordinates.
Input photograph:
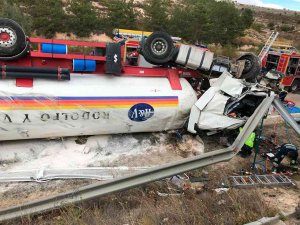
(247, 18)
(82, 17)
(48, 16)
(206, 21)
(120, 14)
(13, 11)
(224, 23)
(190, 20)
(180, 21)
(156, 15)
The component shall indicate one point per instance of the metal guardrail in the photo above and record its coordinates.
(157, 173)
(286, 115)
(43, 175)
(101, 189)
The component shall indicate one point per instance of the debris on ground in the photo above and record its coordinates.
(221, 190)
(126, 150)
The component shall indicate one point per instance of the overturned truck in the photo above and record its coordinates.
(49, 90)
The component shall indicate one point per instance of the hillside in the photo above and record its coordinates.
(225, 27)
(195, 21)
(286, 22)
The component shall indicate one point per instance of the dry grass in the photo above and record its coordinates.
(227, 50)
(142, 206)
(247, 40)
(234, 207)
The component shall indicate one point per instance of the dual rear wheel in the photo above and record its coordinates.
(12, 39)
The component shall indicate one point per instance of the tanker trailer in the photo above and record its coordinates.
(51, 92)
(90, 104)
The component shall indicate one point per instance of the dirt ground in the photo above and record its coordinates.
(127, 150)
(295, 97)
(271, 199)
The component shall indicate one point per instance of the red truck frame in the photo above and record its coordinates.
(37, 58)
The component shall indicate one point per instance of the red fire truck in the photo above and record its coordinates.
(287, 63)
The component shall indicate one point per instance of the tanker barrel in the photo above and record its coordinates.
(34, 69)
(51, 76)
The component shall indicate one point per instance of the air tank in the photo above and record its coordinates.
(91, 105)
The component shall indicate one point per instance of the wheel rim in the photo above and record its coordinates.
(159, 46)
(7, 37)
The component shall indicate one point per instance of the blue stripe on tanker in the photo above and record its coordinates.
(83, 98)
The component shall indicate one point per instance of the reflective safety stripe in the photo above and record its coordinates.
(250, 141)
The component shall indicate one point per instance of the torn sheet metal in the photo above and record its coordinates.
(43, 175)
(92, 104)
(217, 82)
(224, 105)
(206, 98)
(217, 104)
(228, 84)
(210, 121)
(232, 86)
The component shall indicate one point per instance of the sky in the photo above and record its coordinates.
(278, 4)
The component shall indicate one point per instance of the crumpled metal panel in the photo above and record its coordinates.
(43, 175)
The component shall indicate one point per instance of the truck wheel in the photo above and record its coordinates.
(158, 48)
(252, 66)
(12, 38)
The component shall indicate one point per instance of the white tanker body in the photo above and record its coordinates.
(92, 104)
(97, 104)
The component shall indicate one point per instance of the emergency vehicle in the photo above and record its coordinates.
(286, 62)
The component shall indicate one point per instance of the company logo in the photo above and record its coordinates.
(141, 112)
(115, 58)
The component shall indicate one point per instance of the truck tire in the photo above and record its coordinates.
(12, 38)
(158, 49)
(252, 66)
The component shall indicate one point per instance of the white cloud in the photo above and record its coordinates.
(260, 3)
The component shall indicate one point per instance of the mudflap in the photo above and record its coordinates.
(113, 58)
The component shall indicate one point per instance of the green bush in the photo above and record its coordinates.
(287, 28)
(258, 27)
(271, 25)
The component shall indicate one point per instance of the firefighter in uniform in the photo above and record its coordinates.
(285, 150)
